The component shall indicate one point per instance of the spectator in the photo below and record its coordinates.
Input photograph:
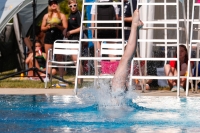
(53, 23)
(171, 69)
(72, 32)
(127, 17)
(40, 60)
(109, 10)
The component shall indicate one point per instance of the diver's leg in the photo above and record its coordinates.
(119, 80)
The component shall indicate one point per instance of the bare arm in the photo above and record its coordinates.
(92, 24)
(29, 58)
(44, 25)
(77, 30)
(128, 19)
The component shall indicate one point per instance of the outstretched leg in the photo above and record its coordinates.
(121, 73)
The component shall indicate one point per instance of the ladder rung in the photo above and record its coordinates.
(162, 22)
(99, 58)
(144, 28)
(171, 28)
(194, 78)
(107, 40)
(154, 77)
(104, 28)
(195, 44)
(157, 40)
(137, 77)
(100, 21)
(168, 45)
(196, 4)
(118, 58)
(194, 59)
(162, 28)
(155, 59)
(126, 28)
(95, 77)
(195, 41)
(103, 3)
(196, 22)
(160, 4)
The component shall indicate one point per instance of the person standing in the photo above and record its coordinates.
(72, 32)
(104, 12)
(127, 17)
(53, 23)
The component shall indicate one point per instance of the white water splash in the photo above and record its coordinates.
(105, 98)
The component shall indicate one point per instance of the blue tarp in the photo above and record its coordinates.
(88, 8)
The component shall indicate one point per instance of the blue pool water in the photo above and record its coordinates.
(44, 113)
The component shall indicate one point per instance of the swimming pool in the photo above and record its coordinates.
(44, 113)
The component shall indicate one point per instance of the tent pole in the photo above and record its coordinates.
(34, 6)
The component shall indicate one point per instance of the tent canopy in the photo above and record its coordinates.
(25, 16)
(24, 10)
(8, 8)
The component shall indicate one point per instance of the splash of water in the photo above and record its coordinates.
(106, 99)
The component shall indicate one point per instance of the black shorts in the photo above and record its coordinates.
(52, 35)
(127, 34)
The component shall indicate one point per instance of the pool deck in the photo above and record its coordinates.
(30, 91)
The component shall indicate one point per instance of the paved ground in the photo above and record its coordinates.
(29, 91)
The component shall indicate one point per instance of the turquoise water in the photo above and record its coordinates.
(44, 113)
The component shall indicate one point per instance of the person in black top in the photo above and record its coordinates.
(53, 23)
(72, 32)
(127, 16)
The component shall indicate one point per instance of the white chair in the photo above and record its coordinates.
(112, 48)
(65, 48)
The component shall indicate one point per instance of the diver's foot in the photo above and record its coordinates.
(140, 24)
(136, 19)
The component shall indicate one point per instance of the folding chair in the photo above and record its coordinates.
(65, 48)
(111, 48)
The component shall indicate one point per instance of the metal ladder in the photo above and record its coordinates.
(96, 59)
(194, 42)
(158, 42)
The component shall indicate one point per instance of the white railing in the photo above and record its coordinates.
(148, 26)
